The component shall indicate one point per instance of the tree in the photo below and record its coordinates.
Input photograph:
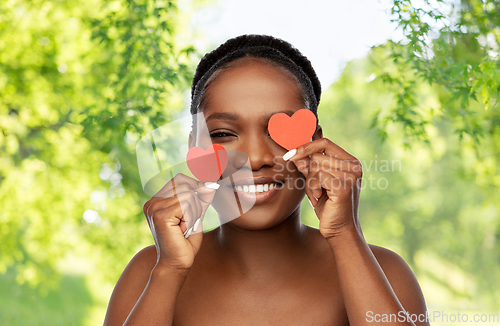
(454, 47)
(78, 83)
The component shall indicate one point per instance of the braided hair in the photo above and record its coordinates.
(269, 49)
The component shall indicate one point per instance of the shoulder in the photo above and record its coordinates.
(130, 285)
(388, 257)
(140, 266)
(402, 280)
(393, 265)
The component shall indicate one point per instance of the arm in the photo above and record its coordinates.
(376, 283)
(144, 294)
(372, 281)
(147, 290)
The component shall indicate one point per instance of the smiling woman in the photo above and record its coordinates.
(264, 267)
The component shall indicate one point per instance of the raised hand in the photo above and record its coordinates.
(175, 213)
(333, 182)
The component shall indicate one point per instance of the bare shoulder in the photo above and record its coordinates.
(130, 286)
(388, 259)
(403, 281)
(394, 266)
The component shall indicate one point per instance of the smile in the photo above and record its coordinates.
(255, 189)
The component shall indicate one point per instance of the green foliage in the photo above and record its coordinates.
(22, 305)
(456, 51)
(79, 83)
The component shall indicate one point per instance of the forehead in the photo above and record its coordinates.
(253, 89)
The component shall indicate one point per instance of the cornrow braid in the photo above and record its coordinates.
(272, 50)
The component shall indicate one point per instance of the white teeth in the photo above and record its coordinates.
(255, 189)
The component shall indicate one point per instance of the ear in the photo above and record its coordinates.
(318, 133)
(192, 141)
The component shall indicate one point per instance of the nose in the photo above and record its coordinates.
(260, 151)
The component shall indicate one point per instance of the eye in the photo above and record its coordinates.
(220, 134)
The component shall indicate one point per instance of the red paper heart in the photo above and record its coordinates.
(291, 132)
(207, 165)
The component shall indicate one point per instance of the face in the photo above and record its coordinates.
(240, 102)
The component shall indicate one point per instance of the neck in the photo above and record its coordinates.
(272, 249)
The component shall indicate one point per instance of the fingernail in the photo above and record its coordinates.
(289, 154)
(310, 203)
(188, 233)
(196, 224)
(212, 185)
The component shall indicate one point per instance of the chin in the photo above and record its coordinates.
(256, 222)
(262, 217)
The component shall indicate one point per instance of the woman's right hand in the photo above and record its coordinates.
(180, 205)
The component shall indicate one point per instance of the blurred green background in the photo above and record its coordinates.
(82, 82)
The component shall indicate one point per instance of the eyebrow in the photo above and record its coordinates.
(222, 116)
(235, 117)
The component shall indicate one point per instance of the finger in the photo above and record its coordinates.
(205, 193)
(195, 235)
(328, 163)
(157, 203)
(313, 200)
(179, 188)
(197, 203)
(322, 145)
(205, 202)
(174, 217)
(198, 225)
(314, 187)
(183, 206)
(177, 181)
(303, 165)
(338, 182)
(340, 168)
(191, 207)
(202, 188)
(169, 220)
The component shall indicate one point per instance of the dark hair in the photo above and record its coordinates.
(272, 50)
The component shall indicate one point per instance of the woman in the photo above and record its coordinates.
(264, 267)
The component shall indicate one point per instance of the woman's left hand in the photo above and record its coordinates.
(333, 184)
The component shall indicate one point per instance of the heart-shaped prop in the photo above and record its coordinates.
(207, 165)
(291, 132)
